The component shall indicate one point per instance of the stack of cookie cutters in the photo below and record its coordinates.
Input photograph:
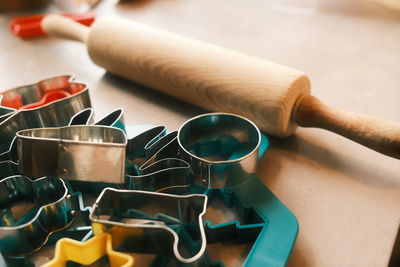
(38, 228)
(72, 152)
(212, 155)
(229, 153)
(223, 164)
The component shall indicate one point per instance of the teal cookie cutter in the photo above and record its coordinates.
(264, 219)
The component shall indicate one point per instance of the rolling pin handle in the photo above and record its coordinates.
(378, 134)
(62, 27)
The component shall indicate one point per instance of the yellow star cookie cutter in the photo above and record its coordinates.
(88, 252)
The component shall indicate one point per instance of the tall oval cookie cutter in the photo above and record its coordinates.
(207, 135)
(54, 114)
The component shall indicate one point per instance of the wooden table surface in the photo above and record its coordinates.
(346, 197)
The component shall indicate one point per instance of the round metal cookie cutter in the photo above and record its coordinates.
(221, 148)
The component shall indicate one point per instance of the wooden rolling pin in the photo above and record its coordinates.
(275, 97)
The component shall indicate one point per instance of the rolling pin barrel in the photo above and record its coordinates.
(208, 76)
(275, 97)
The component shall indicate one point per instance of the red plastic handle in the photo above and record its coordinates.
(28, 27)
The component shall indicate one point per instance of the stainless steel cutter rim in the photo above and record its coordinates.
(216, 162)
(20, 134)
(162, 133)
(184, 166)
(170, 137)
(65, 195)
(176, 237)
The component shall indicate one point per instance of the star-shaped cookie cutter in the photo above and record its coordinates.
(88, 252)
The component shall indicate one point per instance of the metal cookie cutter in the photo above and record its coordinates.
(152, 163)
(221, 148)
(86, 153)
(138, 220)
(48, 103)
(80, 229)
(52, 212)
(88, 252)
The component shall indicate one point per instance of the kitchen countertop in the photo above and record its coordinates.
(346, 197)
